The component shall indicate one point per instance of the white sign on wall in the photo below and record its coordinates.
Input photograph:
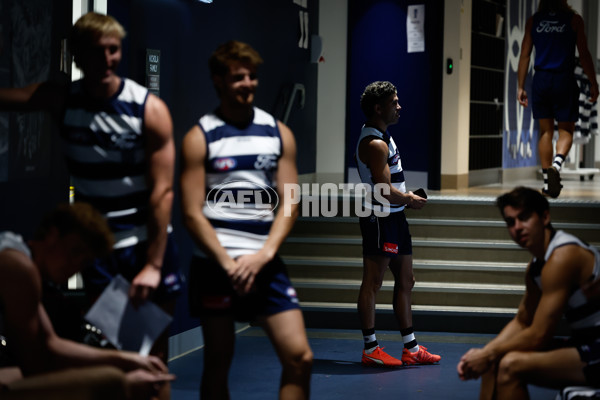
(415, 28)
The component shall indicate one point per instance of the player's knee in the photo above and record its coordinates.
(301, 361)
(406, 284)
(372, 284)
(510, 367)
(305, 361)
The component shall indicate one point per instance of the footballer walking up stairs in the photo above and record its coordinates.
(469, 273)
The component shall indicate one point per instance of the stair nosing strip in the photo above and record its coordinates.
(417, 264)
(416, 242)
(419, 286)
(432, 308)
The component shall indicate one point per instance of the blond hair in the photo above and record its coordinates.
(90, 27)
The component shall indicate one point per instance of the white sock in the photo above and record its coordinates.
(558, 162)
(411, 338)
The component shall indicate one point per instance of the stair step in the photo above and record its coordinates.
(424, 293)
(425, 228)
(351, 307)
(422, 264)
(425, 270)
(447, 249)
(388, 285)
(453, 243)
(417, 264)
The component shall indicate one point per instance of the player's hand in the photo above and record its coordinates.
(248, 266)
(130, 360)
(144, 284)
(416, 202)
(142, 384)
(593, 93)
(473, 364)
(522, 97)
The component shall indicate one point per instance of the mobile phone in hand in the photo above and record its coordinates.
(420, 192)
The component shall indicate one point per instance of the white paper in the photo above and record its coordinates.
(415, 29)
(125, 327)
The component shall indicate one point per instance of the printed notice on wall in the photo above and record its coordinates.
(153, 71)
(415, 28)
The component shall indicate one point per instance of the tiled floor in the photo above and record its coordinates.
(337, 372)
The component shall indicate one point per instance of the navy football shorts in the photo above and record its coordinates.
(388, 236)
(590, 354)
(555, 95)
(211, 291)
(128, 262)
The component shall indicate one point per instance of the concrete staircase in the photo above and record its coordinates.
(469, 273)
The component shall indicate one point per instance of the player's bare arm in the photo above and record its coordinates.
(477, 361)
(374, 153)
(43, 96)
(193, 193)
(524, 61)
(559, 275)
(158, 128)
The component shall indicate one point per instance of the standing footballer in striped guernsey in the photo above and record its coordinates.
(386, 238)
(237, 161)
(118, 143)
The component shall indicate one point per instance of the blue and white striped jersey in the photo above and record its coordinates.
(240, 168)
(105, 151)
(582, 315)
(393, 161)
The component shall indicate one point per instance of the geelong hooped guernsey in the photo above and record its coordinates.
(393, 161)
(554, 40)
(240, 167)
(583, 316)
(105, 152)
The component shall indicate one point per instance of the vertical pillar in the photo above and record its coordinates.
(456, 95)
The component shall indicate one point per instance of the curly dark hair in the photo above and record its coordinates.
(525, 198)
(83, 220)
(375, 93)
(230, 52)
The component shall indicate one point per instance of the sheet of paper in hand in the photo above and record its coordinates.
(124, 326)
